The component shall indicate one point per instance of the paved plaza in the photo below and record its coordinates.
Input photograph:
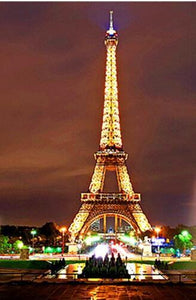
(96, 292)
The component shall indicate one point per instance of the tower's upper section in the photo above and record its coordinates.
(110, 133)
(111, 34)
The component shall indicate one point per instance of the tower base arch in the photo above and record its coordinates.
(129, 211)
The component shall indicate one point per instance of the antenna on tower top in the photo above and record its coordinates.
(111, 20)
(111, 29)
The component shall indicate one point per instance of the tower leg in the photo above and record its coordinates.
(79, 221)
(124, 180)
(97, 180)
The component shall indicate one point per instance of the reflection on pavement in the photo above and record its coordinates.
(136, 271)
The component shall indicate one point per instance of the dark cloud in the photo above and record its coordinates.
(52, 82)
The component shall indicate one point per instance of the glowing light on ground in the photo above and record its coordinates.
(122, 251)
(130, 240)
(100, 251)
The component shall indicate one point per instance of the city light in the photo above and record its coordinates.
(79, 246)
(20, 244)
(52, 250)
(157, 230)
(122, 251)
(48, 250)
(101, 250)
(185, 233)
(91, 239)
(79, 249)
(130, 240)
(33, 232)
(63, 230)
(185, 236)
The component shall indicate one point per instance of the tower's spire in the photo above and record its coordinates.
(111, 28)
(111, 133)
(111, 20)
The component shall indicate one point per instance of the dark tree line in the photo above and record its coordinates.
(46, 235)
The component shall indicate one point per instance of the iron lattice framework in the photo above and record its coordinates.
(96, 204)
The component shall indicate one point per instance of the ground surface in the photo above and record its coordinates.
(7, 275)
(174, 264)
(23, 264)
(96, 292)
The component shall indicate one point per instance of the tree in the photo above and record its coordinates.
(183, 241)
(50, 231)
(5, 246)
(17, 246)
(168, 232)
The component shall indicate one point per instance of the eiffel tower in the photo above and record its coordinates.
(97, 204)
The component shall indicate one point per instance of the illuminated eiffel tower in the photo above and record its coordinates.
(97, 204)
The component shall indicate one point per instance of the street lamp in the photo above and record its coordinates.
(33, 232)
(79, 248)
(63, 230)
(185, 237)
(157, 230)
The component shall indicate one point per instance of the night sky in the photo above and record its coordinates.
(52, 82)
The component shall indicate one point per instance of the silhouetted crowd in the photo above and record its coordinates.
(105, 268)
(57, 265)
(160, 265)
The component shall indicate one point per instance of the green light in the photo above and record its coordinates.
(33, 231)
(19, 244)
(52, 250)
(185, 233)
(185, 236)
(172, 250)
(48, 250)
